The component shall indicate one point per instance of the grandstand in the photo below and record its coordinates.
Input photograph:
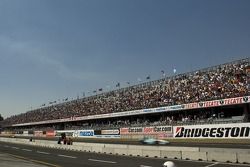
(218, 94)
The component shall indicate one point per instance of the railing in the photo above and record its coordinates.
(239, 119)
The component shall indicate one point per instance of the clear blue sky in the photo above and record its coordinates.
(53, 49)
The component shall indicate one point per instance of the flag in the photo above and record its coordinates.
(174, 70)
(118, 84)
(248, 70)
(139, 79)
(94, 91)
(66, 99)
(128, 83)
(100, 89)
(163, 73)
(148, 77)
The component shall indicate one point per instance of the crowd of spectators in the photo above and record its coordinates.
(193, 117)
(169, 118)
(223, 81)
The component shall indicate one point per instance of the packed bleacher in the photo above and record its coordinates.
(219, 82)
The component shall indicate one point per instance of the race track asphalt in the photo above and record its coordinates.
(64, 158)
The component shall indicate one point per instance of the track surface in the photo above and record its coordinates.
(242, 145)
(63, 158)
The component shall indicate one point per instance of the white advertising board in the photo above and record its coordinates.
(237, 130)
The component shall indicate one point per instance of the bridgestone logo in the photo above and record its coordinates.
(227, 132)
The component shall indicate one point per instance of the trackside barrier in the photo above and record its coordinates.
(119, 151)
(151, 153)
(77, 148)
(222, 157)
(163, 148)
(89, 144)
(171, 154)
(87, 148)
(224, 150)
(191, 153)
(96, 149)
(108, 150)
(117, 146)
(134, 152)
(73, 148)
(243, 158)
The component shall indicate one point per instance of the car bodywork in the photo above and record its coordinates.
(152, 141)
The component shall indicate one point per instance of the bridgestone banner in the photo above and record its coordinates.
(239, 130)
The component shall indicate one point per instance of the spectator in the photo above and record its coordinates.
(224, 81)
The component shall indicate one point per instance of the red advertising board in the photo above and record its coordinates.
(50, 133)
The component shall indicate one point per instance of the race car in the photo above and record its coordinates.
(152, 141)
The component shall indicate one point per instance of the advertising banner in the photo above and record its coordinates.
(18, 133)
(85, 133)
(237, 130)
(50, 133)
(38, 133)
(107, 133)
(108, 136)
(26, 133)
(110, 132)
(131, 130)
(146, 130)
(30, 132)
(216, 103)
(68, 133)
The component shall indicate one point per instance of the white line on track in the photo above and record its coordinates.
(98, 160)
(212, 164)
(40, 152)
(230, 164)
(145, 166)
(15, 147)
(66, 156)
(26, 150)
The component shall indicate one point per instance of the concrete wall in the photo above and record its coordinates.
(243, 158)
(224, 150)
(194, 155)
(222, 157)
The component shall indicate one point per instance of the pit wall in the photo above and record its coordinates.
(185, 153)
